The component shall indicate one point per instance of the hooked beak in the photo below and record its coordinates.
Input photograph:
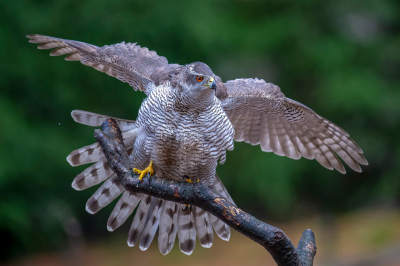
(211, 84)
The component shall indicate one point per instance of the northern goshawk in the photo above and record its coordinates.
(184, 126)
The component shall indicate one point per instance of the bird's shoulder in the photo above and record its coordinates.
(165, 74)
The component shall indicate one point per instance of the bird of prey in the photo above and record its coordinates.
(184, 126)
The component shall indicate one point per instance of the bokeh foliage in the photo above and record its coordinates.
(340, 58)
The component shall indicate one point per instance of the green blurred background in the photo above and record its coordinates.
(340, 58)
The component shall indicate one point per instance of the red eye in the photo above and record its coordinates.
(199, 78)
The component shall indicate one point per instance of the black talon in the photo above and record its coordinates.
(186, 207)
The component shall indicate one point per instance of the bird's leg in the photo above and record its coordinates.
(148, 169)
(187, 179)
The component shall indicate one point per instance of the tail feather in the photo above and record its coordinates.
(88, 154)
(221, 229)
(92, 175)
(154, 213)
(204, 229)
(153, 218)
(139, 220)
(93, 153)
(123, 209)
(168, 227)
(95, 120)
(108, 191)
(186, 230)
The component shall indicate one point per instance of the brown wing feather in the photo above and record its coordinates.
(261, 114)
(127, 62)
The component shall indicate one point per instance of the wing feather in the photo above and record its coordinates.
(261, 114)
(127, 62)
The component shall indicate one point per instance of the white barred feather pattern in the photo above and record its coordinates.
(185, 137)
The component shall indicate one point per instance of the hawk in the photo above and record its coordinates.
(184, 126)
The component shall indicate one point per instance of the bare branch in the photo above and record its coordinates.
(271, 238)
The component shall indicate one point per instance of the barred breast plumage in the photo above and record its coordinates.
(182, 142)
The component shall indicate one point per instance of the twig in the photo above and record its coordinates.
(271, 238)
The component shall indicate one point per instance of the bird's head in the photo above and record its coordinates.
(198, 80)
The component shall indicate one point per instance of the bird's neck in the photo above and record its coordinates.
(198, 101)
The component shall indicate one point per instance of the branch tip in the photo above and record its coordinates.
(307, 248)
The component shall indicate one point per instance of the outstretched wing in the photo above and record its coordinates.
(127, 62)
(261, 114)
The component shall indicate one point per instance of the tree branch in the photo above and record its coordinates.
(271, 238)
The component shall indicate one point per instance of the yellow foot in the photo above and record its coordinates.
(187, 179)
(148, 169)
